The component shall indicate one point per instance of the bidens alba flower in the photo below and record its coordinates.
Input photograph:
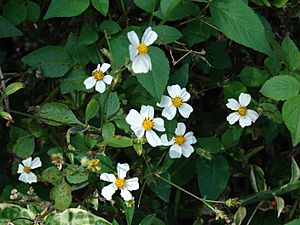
(144, 122)
(243, 115)
(25, 170)
(138, 51)
(119, 182)
(181, 143)
(98, 78)
(178, 100)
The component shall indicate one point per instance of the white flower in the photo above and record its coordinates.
(25, 170)
(176, 101)
(181, 142)
(144, 122)
(98, 78)
(125, 185)
(243, 115)
(138, 51)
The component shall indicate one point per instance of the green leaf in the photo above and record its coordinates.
(76, 174)
(239, 216)
(78, 52)
(129, 212)
(74, 216)
(279, 3)
(8, 212)
(61, 195)
(33, 11)
(181, 76)
(119, 50)
(73, 81)
(257, 178)
(108, 130)
(5, 115)
(51, 175)
(70, 8)
(92, 110)
(253, 77)
(291, 54)
(87, 35)
(113, 103)
(231, 137)
(25, 146)
(281, 87)
(57, 114)
(148, 220)
(15, 11)
(54, 61)
(294, 222)
(155, 81)
(279, 205)
(170, 126)
(101, 5)
(119, 141)
(110, 27)
(211, 144)
(12, 88)
(233, 89)
(160, 188)
(239, 23)
(166, 34)
(212, 176)
(291, 117)
(295, 171)
(7, 29)
(148, 6)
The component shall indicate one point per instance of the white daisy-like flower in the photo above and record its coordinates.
(25, 170)
(144, 122)
(243, 115)
(119, 182)
(138, 51)
(178, 99)
(98, 78)
(181, 143)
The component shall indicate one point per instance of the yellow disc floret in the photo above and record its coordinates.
(120, 183)
(94, 165)
(148, 124)
(177, 101)
(26, 169)
(179, 139)
(98, 75)
(142, 49)
(242, 111)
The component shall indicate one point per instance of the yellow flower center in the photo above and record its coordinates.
(142, 49)
(179, 139)
(26, 169)
(148, 124)
(94, 165)
(98, 75)
(120, 183)
(242, 111)
(177, 101)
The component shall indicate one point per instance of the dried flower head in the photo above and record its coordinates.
(58, 160)
(94, 165)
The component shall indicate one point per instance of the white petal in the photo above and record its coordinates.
(244, 99)
(23, 177)
(20, 168)
(165, 101)
(133, 39)
(244, 121)
(233, 104)
(252, 114)
(174, 90)
(98, 67)
(185, 95)
(165, 142)
(108, 191)
(139, 131)
(134, 118)
(148, 60)
(141, 64)
(149, 36)
(89, 82)
(100, 86)
(180, 129)
(153, 138)
(190, 138)
(185, 110)
(126, 195)
(122, 169)
(108, 177)
(187, 150)
(27, 162)
(147, 111)
(132, 184)
(133, 52)
(169, 112)
(104, 67)
(36, 163)
(175, 151)
(31, 178)
(233, 117)
(107, 79)
(159, 124)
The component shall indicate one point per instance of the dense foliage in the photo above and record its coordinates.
(149, 112)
